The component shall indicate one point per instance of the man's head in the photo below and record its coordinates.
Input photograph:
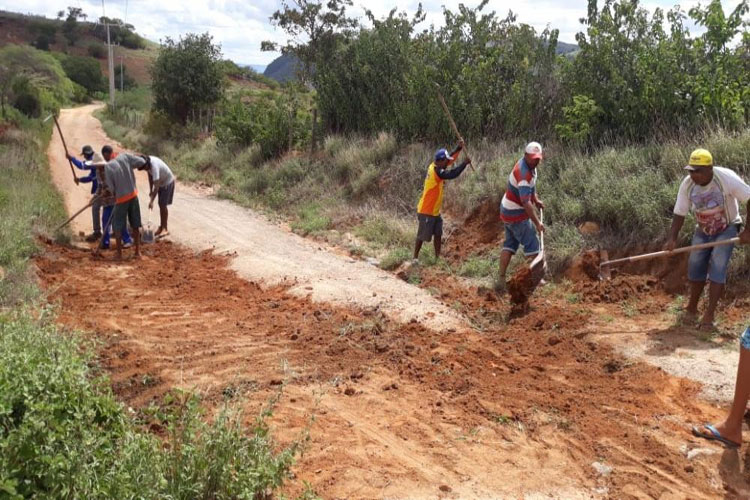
(147, 164)
(442, 158)
(533, 154)
(701, 166)
(107, 152)
(87, 152)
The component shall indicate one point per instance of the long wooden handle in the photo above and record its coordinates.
(91, 202)
(452, 122)
(66, 149)
(665, 253)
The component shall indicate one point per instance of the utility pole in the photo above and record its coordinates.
(122, 86)
(111, 67)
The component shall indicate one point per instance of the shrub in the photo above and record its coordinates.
(97, 50)
(84, 71)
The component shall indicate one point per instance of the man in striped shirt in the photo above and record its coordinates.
(517, 210)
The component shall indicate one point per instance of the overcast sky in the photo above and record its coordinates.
(240, 26)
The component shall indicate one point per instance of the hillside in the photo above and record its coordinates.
(24, 29)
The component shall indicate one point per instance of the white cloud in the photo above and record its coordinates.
(241, 26)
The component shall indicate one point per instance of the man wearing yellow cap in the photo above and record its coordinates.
(714, 194)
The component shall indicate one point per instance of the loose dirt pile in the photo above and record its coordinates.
(520, 286)
(402, 410)
(480, 231)
(618, 289)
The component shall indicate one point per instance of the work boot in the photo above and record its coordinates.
(94, 236)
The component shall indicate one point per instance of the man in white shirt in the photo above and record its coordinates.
(713, 194)
(161, 181)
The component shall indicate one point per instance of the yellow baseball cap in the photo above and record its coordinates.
(700, 158)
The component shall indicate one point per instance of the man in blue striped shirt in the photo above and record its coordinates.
(89, 156)
(517, 211)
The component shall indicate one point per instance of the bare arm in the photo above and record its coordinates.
(745, 234)
(674, 232)
(529, 207)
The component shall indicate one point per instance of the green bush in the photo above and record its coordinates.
(97, 51)
(84, 71)
(268, 122)
(44, 33)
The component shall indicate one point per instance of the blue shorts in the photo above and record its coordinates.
(521, 233)
(745, 339)
(711, 263)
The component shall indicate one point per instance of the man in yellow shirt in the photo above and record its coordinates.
(428, 209)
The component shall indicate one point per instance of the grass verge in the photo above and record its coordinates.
(63, 434)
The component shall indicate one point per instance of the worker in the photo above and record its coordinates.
(161, 181)
(428, 209)
(119, 178)
(89, 156)
(713, 193)
(104, 202)
(517, 211)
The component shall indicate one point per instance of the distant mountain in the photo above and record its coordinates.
(283, 68)
(567, 48)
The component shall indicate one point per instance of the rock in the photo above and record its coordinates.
(349, 391)
(690, 469)
(589, 228)
(553, 340)
(696, 452)
(445, 488)
(602, 469)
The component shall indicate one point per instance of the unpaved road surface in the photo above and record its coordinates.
(264, 251)
(529, 408)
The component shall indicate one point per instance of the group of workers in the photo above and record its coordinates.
(115, 195)
(712, 193)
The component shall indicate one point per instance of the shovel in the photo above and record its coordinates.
(148, 232)
(539, 264)
(605, 272)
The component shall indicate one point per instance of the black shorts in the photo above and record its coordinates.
(166, 194)
(429, 226)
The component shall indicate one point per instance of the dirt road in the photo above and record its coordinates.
(530, 408)
(264, 251)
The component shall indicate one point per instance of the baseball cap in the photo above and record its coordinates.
(534, 150)
(700, 158)
(87, 150)
(442, 154)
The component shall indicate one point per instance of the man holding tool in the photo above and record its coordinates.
(89, 156)
(161, 181)
(119, 178)
(714, 194)
(428, 209)
(517, 211)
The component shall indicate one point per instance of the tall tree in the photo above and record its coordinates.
(187, 76)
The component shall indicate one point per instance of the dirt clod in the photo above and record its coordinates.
(445, 488)
(520, 285)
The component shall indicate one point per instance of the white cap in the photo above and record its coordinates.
(534, 149)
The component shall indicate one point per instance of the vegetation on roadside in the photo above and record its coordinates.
(63, 434)
(614, 148)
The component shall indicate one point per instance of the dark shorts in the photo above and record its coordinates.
(429, 226)
(166, 194)
(130, 212)
(521, 233)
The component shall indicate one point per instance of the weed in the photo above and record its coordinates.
(310, 220)
(478, 267)
(573, 298)
(395, 258)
